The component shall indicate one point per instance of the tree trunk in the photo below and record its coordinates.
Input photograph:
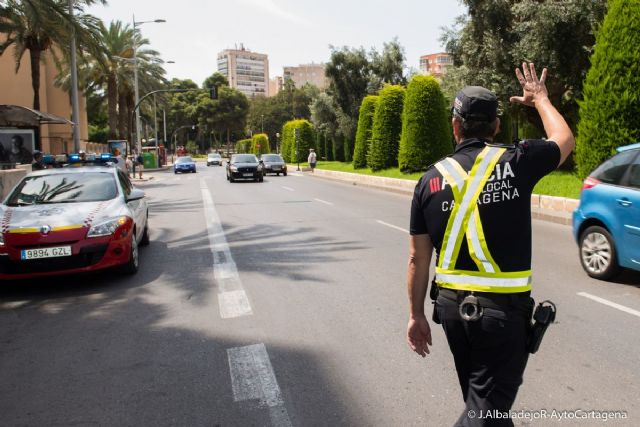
(112, 102)
(122, 116)
(34, 55)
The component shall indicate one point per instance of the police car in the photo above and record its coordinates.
(72, 219)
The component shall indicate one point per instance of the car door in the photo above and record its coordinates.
(137, 207)
(628, 211)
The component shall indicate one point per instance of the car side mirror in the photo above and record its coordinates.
(136, 194)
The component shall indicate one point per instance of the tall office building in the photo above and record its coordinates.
(306, 73)
(246, 71)
(435, 64)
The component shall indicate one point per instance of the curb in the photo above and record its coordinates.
(546, 208)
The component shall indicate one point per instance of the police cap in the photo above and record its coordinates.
(476, 103)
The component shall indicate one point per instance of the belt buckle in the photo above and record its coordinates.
(469, 309)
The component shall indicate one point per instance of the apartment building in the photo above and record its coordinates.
(246, 71)
(435, 64)
(16, 89)
(306, 73)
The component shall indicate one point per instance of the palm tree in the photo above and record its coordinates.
(37, 25)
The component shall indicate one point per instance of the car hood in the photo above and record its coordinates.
(274, 163)
(186, 164)
(60, 215)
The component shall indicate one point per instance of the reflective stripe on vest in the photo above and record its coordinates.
(465, 220)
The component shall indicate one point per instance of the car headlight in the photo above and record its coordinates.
(233, 168)
(107, 228)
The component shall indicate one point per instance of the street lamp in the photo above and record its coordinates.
(135, 73)
(277, 142)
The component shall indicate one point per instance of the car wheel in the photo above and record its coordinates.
(175, 172)
(194, 171)
(131, 267)
(261, 179)
(145, 235)
(277, 173)
(231, 179)
(598, 253)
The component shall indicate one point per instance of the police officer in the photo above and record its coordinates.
(474, 208)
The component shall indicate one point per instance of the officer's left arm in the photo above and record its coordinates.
(418, 330)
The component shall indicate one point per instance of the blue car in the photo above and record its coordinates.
(184, 164)
(606, 224)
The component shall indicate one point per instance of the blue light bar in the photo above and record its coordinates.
(74, 158)
(105, 156)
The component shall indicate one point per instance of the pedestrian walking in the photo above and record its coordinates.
(312, 159)
(139, 162)
(473, 207)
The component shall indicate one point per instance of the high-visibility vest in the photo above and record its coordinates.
(465, 220)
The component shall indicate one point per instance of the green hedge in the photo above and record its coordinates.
(363, 134)
(243, 146)
(305, 142)
(387, 126)
(262, 140)
(610, 110)
(426, 135)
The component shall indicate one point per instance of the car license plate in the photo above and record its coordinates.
(45, 252)
(276, 168)
(247, 174)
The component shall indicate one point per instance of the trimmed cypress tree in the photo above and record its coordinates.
(363, 134)
(387, 126)
(260, 144)
(426, 135)
(306, 140)
(610, 110)
(243, 146)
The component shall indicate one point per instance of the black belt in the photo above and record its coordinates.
(487, 299)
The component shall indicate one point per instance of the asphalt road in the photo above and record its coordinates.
(284, 303)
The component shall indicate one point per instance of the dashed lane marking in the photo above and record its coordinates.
(392, 226)
(324, 201)
(287, 188)
(232, 299)
(610, 304)
(252, 378)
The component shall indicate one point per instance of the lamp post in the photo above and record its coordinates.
(75, 110)
(135, 73)
(277, 142)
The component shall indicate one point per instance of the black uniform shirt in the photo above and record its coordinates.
(504, 204)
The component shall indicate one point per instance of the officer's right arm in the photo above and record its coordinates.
(534, 94)
(418, 330)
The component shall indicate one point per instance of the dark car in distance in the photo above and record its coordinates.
(184, 164)
(273, 163)
(244, 166)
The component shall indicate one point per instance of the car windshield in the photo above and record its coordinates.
(214, 156)
(245, 158)
(272, 158)
(186, 159)
(64, 188)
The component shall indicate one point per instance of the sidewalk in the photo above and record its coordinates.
(546, 208)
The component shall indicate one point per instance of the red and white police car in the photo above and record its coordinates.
(71, 220)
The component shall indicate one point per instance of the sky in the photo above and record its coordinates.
(291, 32)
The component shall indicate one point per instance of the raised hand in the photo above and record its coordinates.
(533, 89)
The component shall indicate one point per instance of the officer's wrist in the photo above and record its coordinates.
(416, 316)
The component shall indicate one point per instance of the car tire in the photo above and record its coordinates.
(261, 179)
(131, 267)
(277, 173)
(598, 253)
(231, 179)
(145, 234)
(193, 171)
(175, 172)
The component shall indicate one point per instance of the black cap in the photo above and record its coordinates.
(476, 103)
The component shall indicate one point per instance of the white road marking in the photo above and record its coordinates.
(610, 303)
(392, 226)
(232, 299)
(287, 188)
(324, 201)
(252, 377)
(295, 174)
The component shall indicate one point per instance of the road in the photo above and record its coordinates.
(284, 303)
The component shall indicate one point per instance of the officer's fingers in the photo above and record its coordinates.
(525, 69)
(543, 77)
(520, 77)
(517, 99)
(534, 76)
